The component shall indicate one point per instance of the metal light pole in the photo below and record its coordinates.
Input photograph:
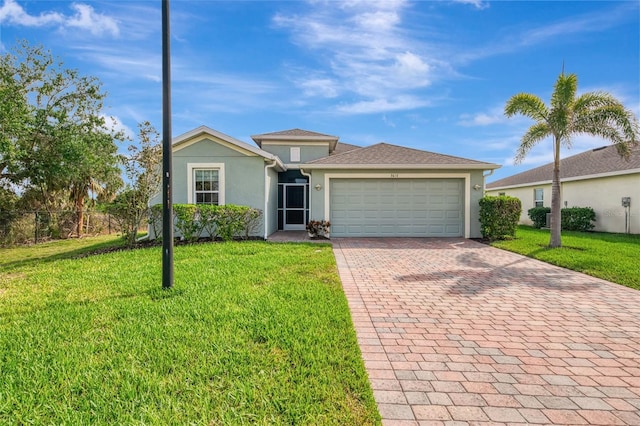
(167, 204)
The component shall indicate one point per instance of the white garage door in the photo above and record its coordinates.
(397, 207)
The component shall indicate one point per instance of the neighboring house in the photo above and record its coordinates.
(296, 175)
(598, 178)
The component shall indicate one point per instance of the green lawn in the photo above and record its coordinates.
(613, 257)
(252, 333)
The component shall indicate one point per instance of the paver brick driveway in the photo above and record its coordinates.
(453, 331)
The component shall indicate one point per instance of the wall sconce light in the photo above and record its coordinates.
(476, 187)
(318, 187)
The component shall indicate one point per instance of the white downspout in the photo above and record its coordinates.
(266, 197)
(484, 179)
(308, 176)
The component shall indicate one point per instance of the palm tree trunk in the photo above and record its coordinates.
(556, 199)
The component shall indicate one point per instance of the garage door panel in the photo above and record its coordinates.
(396, 207)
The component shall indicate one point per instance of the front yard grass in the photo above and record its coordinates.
(613, 257)
(252, 333)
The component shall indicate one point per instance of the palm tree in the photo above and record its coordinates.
(593, 113)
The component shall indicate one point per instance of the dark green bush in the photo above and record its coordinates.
(499, 217)
(571, 219)
(538, 216)
(578, 218)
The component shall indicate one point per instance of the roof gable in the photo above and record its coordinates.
(384, 154)
(297, 136)
(196, 135)
(599, 161)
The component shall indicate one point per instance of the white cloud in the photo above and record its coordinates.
(493, 116)
(115, 124)
(478, 4)
(367, 53)
(84, 18)
(12, 13)
(319, 87)
(381, 105)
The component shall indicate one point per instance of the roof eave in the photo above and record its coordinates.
(402, 166)
(204, 130)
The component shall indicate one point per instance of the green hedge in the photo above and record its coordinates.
(499, 217)
(571, 218)
(225, 222)
(538, 216)
(577, 219)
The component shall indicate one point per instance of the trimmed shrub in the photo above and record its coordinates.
(538, 216)
(499, 217)
(209, 218)
(578, 218)
(155, 220)
(186, 221)
(231, 221)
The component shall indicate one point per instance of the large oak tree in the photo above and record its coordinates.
(53, 137)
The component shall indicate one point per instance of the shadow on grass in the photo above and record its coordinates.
(71, 253)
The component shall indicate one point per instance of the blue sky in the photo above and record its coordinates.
(433, 75)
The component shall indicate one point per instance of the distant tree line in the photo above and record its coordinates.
(58, 149)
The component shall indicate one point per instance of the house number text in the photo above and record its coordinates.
(394, 175)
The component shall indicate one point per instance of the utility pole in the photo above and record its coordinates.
(167, 203)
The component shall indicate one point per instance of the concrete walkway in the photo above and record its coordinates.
(456, 332)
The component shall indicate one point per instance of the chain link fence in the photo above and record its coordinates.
(28, 227)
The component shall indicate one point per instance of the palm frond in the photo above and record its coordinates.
(528, 105)
(564, 91)
(535, 134)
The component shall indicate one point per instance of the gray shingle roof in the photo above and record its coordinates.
(593, 162)
(295, 132)
(342, 147)
(388, 154)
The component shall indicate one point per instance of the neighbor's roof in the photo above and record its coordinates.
(604, 161)
(384, 155)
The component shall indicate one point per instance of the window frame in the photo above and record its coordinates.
(535, 197)
(191, 190)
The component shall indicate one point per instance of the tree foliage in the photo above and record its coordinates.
(594, 113)
(142, 169)
(54, 140)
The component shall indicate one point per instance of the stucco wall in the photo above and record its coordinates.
(243, 174)
(308, 151)
(603, 194)
(475, 177)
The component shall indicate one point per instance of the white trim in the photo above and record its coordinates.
(322, 166)
(267, 194)
(221, 180)
(291, 142)
(465, 176)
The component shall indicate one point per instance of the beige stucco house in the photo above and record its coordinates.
(598, 178)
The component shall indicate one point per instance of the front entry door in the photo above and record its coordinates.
(295, 206)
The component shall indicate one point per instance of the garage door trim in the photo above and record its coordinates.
(465, 176)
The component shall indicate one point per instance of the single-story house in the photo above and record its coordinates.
(598, 178)
(295, 176)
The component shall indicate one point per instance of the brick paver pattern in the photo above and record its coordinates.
(456, 332)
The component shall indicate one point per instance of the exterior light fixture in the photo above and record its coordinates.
(318, 187)
(476, 187)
